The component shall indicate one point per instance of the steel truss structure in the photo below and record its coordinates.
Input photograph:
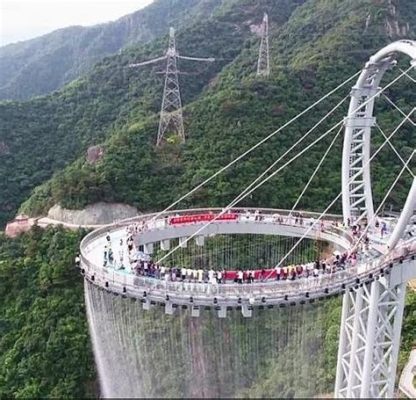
(263, 62)
(357, 200)
(372, 312)
(369, 341)
(171, 118)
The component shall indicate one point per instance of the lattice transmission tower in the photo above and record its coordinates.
(263, 63)
(171, 118)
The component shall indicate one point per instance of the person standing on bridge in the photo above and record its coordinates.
(219, 276)
(278, 272)
(383, 229)
(240, 275)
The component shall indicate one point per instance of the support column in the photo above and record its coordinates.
(371, 335)
(169, 308)
(247, 310)
(369, 340)
(342, 364)
(146, 304)
(405, 216)
(354, 343)
(195, 311)
(200, 240)
(182, 242)
(148, 248)
(165, 245)
(222, 311)
(397, 328)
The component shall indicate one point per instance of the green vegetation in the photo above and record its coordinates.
(246, 252)
(235, 112)
(44, 64)
(316, 44)
(44, 135)
(45, 349)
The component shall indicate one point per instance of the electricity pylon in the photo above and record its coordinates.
(263, 63)
(171, 111)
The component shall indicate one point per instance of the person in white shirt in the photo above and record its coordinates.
(219, 277)
(240, 276)
(189, 274)
(278, 273)
(210, 275)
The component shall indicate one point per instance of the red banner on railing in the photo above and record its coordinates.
(188, 219)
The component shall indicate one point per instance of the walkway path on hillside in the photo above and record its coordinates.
(45, 221)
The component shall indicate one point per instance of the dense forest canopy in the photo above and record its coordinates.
(45, 348)
(314, 44)
(44, 64)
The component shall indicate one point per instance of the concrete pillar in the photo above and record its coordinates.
(222, 312)
(182, 242)
(200, 240)
(165, 245)
(168, 308)
(146, 304)
(195, 311)
(148, 248)
(247, 310)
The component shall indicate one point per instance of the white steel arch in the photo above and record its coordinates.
(357, 200)
(372, 313)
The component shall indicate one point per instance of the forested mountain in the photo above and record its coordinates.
(44, 64)
(315, 45)
(41, 136)
(313, 49)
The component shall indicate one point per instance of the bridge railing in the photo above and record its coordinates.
(333, 282)
(274, 288)
(241, 210)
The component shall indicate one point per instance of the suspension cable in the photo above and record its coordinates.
(340, 193)
(246, 193)
(231, 163)
(395, 150)
(293, 146)
(397, 108)
(316, 171)
(407, 75)
(383, 201)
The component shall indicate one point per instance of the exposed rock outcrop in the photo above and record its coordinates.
(94, 214)
(94, 154)
(22, 223)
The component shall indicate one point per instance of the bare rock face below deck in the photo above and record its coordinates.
(94, 214)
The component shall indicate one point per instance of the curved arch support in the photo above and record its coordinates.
(405, 216)
(357, 200)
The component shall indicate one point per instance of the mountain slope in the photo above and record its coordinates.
(43, 135)
(44, 64)
(321, 45)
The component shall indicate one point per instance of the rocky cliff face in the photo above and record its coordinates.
(95, 214)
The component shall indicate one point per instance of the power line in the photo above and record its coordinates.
(171, 117)
(245, 193)
(259, 143)
(263, 62)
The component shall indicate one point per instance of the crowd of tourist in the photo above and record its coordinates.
(291, 272)
(141, 265)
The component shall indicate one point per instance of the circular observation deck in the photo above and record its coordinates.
(369, 265)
